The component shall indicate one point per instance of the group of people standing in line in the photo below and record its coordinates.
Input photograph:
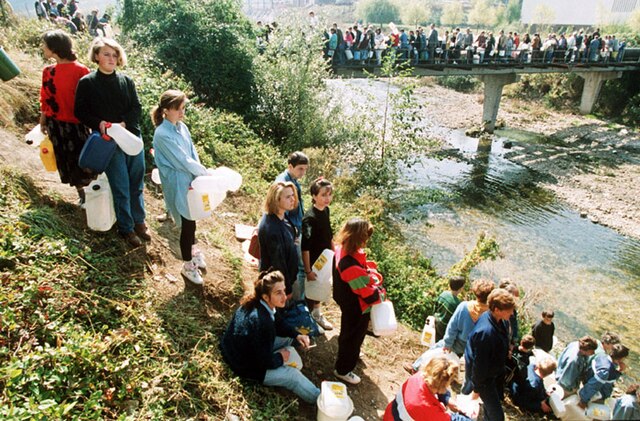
(67, 15)
(291, 240)
(360, 44)
(74, 101)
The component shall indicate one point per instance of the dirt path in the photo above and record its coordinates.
(589, 163)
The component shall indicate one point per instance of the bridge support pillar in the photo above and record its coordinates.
(493, 85)
(591, 90)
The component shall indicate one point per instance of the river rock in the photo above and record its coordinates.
(583, 214)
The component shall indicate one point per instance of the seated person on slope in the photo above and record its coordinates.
(254, 344)
(530, 395)
(627, 406)
(425, 394)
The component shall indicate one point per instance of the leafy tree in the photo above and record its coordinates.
(453, 14)
(634, 21)
(209, 42)
(378, 11)
(290, 107)
(481, 15)
(416, 12)
(514, 11)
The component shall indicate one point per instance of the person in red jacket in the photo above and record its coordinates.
(57, 118)
(423, 396)
(357, 285)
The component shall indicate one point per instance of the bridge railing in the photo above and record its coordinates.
(352, 58)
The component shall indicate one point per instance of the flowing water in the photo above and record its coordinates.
(588, 274)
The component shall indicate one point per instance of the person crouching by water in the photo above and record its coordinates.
(357, 285)
(424, 395)
(178, 164)
(106, 96)
(254, 342)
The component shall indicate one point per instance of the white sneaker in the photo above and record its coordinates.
(349, 377)
(197, 257)
(322, 321)
(191, 272)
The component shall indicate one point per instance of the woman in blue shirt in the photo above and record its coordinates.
(178, 164)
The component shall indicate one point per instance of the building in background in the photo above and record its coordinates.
(577, 12)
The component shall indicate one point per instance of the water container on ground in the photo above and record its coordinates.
(320, 288)
(383, 319)
(8, 69)
(199, 206)
(128, 142)
(476, 59)
(428, 337)
(598, 411)
(471, 407)
(98, 205)
(47, 155)
(556, 393)
(572, 411)
(334, 403)
(295, 360)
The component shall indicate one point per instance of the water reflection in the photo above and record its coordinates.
(589, 274)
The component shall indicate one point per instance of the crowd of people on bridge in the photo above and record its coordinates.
(365, 44)
(67, 14)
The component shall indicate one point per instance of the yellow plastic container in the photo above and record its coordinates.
(47, 155)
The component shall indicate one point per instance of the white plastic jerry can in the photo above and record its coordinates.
(383, 319)
(198, 202)
(101, 214)
(213, 187)
(128, 142)
(320, 288)
(428, 337)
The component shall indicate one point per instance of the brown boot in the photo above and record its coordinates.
(142, 231)
(132, 239)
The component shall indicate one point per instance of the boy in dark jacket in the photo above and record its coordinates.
(530, 395)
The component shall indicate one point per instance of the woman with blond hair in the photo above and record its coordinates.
(421, 397)
(107, 96)
(178, 164)
(276, 233)
(357, 286)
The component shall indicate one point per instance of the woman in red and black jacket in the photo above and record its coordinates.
(357, 286)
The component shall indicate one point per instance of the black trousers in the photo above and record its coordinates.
(353, 329)
(187, 238)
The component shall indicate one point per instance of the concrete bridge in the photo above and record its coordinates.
(496, 75)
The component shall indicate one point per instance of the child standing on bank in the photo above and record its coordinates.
(543, 331)
(178, 164)
(446, 304)
(316, 237)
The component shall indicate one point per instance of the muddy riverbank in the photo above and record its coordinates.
(589, 163)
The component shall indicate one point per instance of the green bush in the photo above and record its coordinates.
(459, 83)
(210, 43)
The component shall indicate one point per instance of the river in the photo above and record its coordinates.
(588, 274)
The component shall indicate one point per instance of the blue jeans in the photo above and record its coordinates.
(298, 286)
(290, 378)
(125, 174)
